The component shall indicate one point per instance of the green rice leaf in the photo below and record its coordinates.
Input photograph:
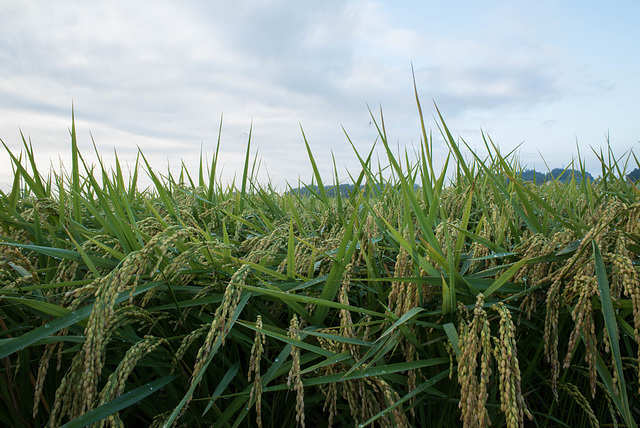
(612, 331)
(127, 399)
(224, 382)
(58, 324)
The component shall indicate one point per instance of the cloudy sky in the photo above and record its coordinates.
(550, 76)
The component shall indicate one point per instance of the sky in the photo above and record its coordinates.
(548, 79)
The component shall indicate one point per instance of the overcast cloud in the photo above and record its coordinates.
(158, 75)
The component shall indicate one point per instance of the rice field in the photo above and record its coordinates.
(461, 296)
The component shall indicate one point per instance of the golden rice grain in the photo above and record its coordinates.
(254, 377)
(294, 378)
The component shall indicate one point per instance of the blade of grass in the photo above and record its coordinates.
(311, 300)
(330, 290)
(612, 331)
(127, 399)
(224, 382)
(505, 277)
(452, 334)
(58, 324)
(374, 353)
(245, 171)
(62, 253)
(39, 305)
(75, 172)
(196, 380)
(291, 262)
(420, 389)
(316, 173)
(214, 163)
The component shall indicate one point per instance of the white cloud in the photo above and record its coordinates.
(159, 74)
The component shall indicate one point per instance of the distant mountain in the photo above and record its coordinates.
(527, 175)
(344, 189)
(634, 175)
(532, 175)
(555, 174)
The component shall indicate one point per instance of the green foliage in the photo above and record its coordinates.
(413, 300)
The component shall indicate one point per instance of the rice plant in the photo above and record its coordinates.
(462, 296)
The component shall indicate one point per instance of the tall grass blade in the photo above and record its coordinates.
(612, 331)
(75, 172)
(245, 177)
(127, 399)
(224, 383)
(58, 324)
(198, 377)
(316, 172)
